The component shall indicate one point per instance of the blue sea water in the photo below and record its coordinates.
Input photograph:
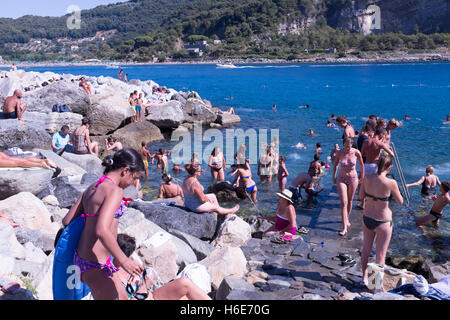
(421, 90)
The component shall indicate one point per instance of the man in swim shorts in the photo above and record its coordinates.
(300, 181)
(144, 155)
(371, 150)
(13, 108)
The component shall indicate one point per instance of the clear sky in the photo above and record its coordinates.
(53, 8)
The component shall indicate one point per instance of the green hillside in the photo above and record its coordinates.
(286, 29)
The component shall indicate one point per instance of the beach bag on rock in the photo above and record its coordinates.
(198, 274)
(66, 283)
(58, 108)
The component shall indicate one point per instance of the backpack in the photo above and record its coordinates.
(59, 108)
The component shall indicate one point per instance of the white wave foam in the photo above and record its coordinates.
(295, 156)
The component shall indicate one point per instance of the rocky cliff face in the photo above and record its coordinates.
(375, 16)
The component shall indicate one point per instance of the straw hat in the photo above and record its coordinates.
(286, 194)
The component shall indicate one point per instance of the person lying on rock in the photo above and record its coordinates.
(137, 288)
(196, 200)
(13, 108)
(16, 162)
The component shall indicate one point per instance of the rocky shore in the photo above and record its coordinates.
(241, 265)
(400, 57)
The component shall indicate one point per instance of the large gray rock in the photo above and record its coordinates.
(14, 133)
(29, 212)
(16, 180)
(53, 121)
(134, 134)
(223, 262)
(232, 283)
(133, 223)
(196, 110)
(195, 224)
(88, 162)
(65, 189)
(201, 248)
(228, 119)
(234, 232)
(107, 111)
(166, 115)
(67, 168)
(61, 93)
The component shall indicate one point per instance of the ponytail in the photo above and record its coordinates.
(384, 163)
(124, 158)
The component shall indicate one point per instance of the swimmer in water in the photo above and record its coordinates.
(304, 107)
(274, 107)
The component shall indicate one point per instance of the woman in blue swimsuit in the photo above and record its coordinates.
(244, 174)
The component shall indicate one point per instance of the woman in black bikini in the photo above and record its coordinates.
(377, 219)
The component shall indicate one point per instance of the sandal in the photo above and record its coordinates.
(287, 237)
(278, 240)
(303, 230)
(348, 262)
(344, 256)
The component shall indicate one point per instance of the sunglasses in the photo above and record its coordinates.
(132, 289)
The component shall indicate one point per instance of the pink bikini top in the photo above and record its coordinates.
(120, 211)
(349, 164)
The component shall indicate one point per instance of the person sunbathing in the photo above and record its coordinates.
(16, 162)
(138, 288)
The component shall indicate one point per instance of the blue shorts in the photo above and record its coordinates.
(138, 108)
(12, 115)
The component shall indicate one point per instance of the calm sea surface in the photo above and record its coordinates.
(421, 90)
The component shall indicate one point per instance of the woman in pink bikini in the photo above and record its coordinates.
(347, 180)
(102, 205)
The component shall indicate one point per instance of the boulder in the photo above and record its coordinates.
(53, 121)
(61, 93)
(196, 110)
(29, 212)
(89, 162)
(107, 111)
(161, 256)
(9, 246)
(43, 280)
(201, 248)
(168, 115)
(134, 134)
(231, 283)
(8, 85)
(66, 189)
(133, 223)
(385, 278)
(225, 192)
(24, 135)
(234, 232)
(67, 168)
(228, 119)
(257, 224)
(167, 217)
(223, 262)
(16, 180)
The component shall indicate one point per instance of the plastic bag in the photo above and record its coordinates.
(199, 274)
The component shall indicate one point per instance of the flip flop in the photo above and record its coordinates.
(287, 237)
(344, 256)
(278, 240)
(348, 262)
(302, 230)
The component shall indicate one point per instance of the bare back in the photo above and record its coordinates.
(11, 104)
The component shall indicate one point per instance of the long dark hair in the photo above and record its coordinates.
(124, 158)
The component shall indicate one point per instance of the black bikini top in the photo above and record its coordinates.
(377, 198)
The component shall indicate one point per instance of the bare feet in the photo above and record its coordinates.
(8, 221)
